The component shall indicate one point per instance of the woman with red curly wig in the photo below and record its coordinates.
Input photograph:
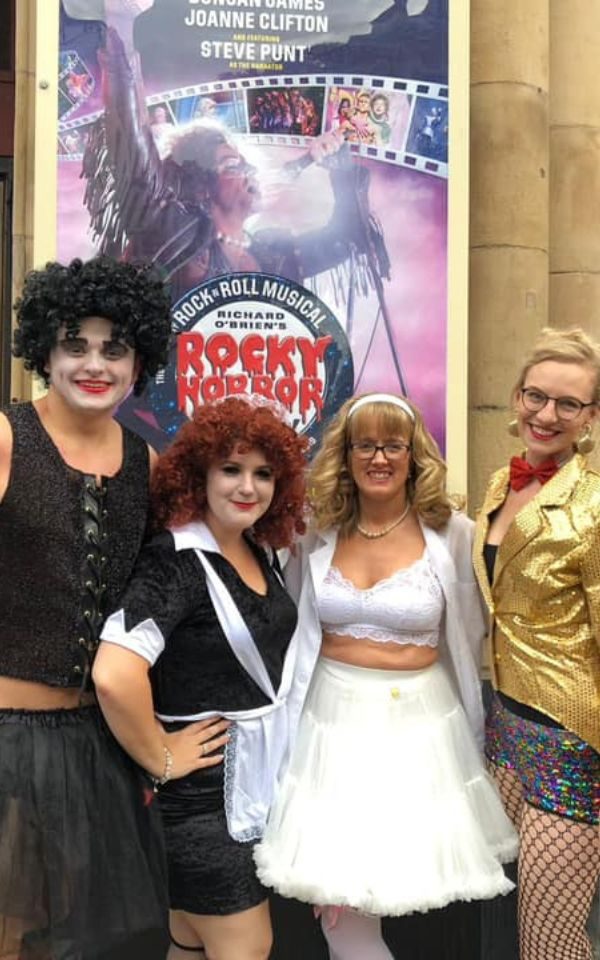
(199, 675)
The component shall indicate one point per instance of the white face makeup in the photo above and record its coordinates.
(239, 491)
(544, 432)
(91, 371)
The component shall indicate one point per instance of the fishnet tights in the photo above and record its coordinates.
(511, 792)
(559, 864)
(559, 867)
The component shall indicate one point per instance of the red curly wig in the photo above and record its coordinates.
(178, 490)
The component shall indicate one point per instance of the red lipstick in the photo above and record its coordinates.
(93, 386)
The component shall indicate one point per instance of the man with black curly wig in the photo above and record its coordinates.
(81, 864)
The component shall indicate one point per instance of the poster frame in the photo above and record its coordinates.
(44, 188)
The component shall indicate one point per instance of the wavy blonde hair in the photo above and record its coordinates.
(563, 346)
(331, 489)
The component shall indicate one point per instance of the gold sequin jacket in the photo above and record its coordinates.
(544, 601)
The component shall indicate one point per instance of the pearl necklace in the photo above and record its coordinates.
(375, 535)
(233, 241)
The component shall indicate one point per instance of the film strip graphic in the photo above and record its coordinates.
(395, 121)
(75, 83)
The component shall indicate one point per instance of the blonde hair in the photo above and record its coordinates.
(331, 489)
(563, 346)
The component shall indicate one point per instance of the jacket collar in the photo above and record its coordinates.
(439, 556)
(321, 554)
(194, 536)
(530, 518)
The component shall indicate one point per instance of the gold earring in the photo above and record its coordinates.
(513, 428)
(585, 444)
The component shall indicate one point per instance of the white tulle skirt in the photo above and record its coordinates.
(386, 806)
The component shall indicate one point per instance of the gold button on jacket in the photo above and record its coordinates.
(545, 598)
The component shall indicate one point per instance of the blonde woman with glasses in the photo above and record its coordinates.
(537, 556)
(386, 808)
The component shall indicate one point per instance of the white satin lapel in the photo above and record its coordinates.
(235, 629)
(197, 536)
(442, 561)
(194, 536)
(321, 557)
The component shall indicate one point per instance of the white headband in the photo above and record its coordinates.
(382, 398)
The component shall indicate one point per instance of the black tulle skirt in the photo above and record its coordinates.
(81, 854)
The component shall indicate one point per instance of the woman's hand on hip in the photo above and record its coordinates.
(197, 746)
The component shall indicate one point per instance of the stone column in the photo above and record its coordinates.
(509, 215)
(22, 245)
(34, 201)
(575, 165)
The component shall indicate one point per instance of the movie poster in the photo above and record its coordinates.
(285, 164)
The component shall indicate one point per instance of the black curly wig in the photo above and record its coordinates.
(132, 296)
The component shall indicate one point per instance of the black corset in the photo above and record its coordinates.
(67, 548)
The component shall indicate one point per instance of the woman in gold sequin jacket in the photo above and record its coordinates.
(537, 557)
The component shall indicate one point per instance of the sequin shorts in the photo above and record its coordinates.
(559, 772)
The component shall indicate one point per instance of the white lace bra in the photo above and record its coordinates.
(404, 608)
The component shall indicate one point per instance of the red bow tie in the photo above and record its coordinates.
(522, 473)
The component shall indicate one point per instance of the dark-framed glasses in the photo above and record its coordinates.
(394, 450)
(567, 408)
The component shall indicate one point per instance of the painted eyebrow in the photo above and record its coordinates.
(84, 340)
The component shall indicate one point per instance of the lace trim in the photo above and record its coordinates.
(419, 576)
(229, 789)
(412, 574)
(365, 631)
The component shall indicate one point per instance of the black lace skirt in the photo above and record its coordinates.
(81, 856)
(209, 872)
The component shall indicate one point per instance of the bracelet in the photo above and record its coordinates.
(166, 774)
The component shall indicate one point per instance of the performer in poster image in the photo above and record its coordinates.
(188, 210)
(386, 808)
(207, 632)
(380, 118)
(81, 862)
(537, 555)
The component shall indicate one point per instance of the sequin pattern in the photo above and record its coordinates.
(559, 772)
(544, 601)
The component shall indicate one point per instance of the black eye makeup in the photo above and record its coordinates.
(79, 346)
(264, 473)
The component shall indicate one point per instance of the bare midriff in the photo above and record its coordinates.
(377, 655)
(27, 695)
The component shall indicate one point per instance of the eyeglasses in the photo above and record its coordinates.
(391, 451)
(567, 408)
